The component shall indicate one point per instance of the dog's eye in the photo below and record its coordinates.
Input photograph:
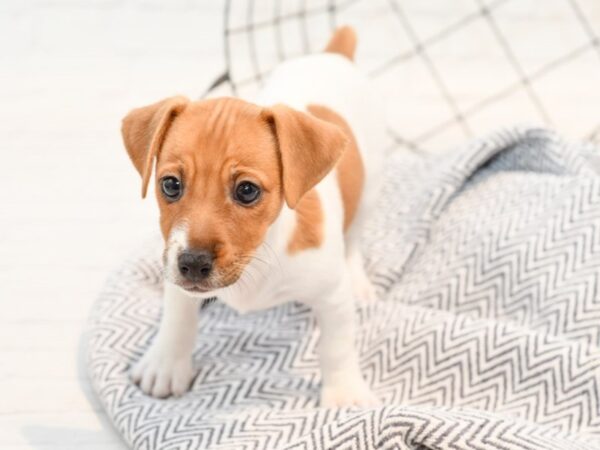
(171, 188)
(246, 192)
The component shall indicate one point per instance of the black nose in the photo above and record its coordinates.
(195, 265)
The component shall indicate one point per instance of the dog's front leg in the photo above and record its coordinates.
(166, 368)
(343, 384)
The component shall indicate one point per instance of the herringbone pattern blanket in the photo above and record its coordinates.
(486, 336)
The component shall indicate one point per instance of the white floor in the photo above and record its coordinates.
(69, 203)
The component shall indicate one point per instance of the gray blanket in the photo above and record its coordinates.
(486, 336)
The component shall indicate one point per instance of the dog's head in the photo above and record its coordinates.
(223, 169)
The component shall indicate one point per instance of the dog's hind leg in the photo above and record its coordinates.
(362, 287)
(342, 384)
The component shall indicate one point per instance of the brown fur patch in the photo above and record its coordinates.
(144, 130)
(308, 232)
(212, 146)
(309, 149)
(350, 169)
(343, 42)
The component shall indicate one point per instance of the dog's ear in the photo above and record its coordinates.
(309, 148)
(144, 130)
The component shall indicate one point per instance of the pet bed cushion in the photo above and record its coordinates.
(486, 335)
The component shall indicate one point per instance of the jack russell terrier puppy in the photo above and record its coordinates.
(263, 203)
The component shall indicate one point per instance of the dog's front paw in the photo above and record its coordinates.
(160, 374)
(355, 393)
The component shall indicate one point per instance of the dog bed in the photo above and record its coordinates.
(486, 335)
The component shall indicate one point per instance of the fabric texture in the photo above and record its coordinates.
(486, 336)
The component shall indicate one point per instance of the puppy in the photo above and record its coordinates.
(263, 203)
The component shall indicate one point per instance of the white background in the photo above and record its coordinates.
(70, 206)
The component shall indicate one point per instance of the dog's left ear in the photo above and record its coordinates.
(309, 148)
(144, 130)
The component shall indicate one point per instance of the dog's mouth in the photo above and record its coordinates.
(195, 288)
(214, 282)
(203, 287)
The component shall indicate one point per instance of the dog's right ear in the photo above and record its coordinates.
(144, 130)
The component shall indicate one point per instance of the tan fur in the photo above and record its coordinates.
(309, 149)
(350, 169)
(308, 232)
(343, 42)
(144, 130)
(213, 145)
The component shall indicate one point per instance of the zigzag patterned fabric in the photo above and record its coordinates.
(487, 334)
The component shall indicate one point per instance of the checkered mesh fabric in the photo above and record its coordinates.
(450, 70)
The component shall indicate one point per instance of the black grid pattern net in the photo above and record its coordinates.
(449, 70)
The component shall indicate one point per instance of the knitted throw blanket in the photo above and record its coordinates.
(486, 336)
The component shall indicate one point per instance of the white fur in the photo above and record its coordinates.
(167, 367)
(178, 241)
(325, 278)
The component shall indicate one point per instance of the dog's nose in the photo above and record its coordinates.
(195, 265)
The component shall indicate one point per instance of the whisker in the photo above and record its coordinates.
(270, 249)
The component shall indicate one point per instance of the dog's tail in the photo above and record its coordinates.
(343, 42)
